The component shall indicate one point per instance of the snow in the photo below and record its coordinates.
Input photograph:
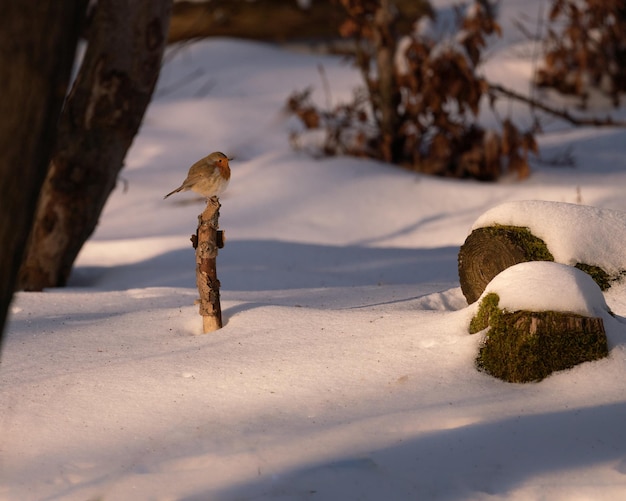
(540, 286)
(345, 369)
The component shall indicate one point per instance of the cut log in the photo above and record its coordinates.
(527, 346)
(589, 238)
(488, 251)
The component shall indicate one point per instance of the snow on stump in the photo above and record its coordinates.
(588, 238)
(538, 318)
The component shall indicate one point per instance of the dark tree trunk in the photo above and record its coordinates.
(37, 47)
(99, 121)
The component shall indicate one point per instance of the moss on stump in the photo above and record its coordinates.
(601, 277)
(527, 346)
(490, 250)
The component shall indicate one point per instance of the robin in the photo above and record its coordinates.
(209, 176)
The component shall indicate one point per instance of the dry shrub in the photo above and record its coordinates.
(419, 107)
(585, 48)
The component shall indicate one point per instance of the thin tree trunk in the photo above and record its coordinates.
(385, 44)
(101, 117)
(37, 47)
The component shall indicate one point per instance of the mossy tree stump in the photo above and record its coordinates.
(525, 346)
(490, 250)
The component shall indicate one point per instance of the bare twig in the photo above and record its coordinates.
(563, 113)
(535, 57)
(326, 85)
(525, 31)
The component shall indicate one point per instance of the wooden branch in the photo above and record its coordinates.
(563, 113)
(271, 20)
(207, 240)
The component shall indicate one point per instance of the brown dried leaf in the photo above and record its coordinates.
(348, 28)
(491, 146)
(497, 28)
(519, 165)
(529, 143)
(440, 147)
(510, 138)
(310, 117)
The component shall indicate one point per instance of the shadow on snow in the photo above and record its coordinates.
(257, 265)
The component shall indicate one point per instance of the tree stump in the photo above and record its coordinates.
(488, 251)
(527, 346)
(207, 240)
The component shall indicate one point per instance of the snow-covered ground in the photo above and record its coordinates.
(345, 369)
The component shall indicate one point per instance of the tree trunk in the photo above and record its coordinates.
(208, 239)
(99, 121)
(37, 47)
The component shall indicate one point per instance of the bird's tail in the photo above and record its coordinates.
(172, 192)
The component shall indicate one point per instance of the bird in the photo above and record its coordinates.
(209, 176)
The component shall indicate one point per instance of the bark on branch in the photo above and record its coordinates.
(207, 240)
